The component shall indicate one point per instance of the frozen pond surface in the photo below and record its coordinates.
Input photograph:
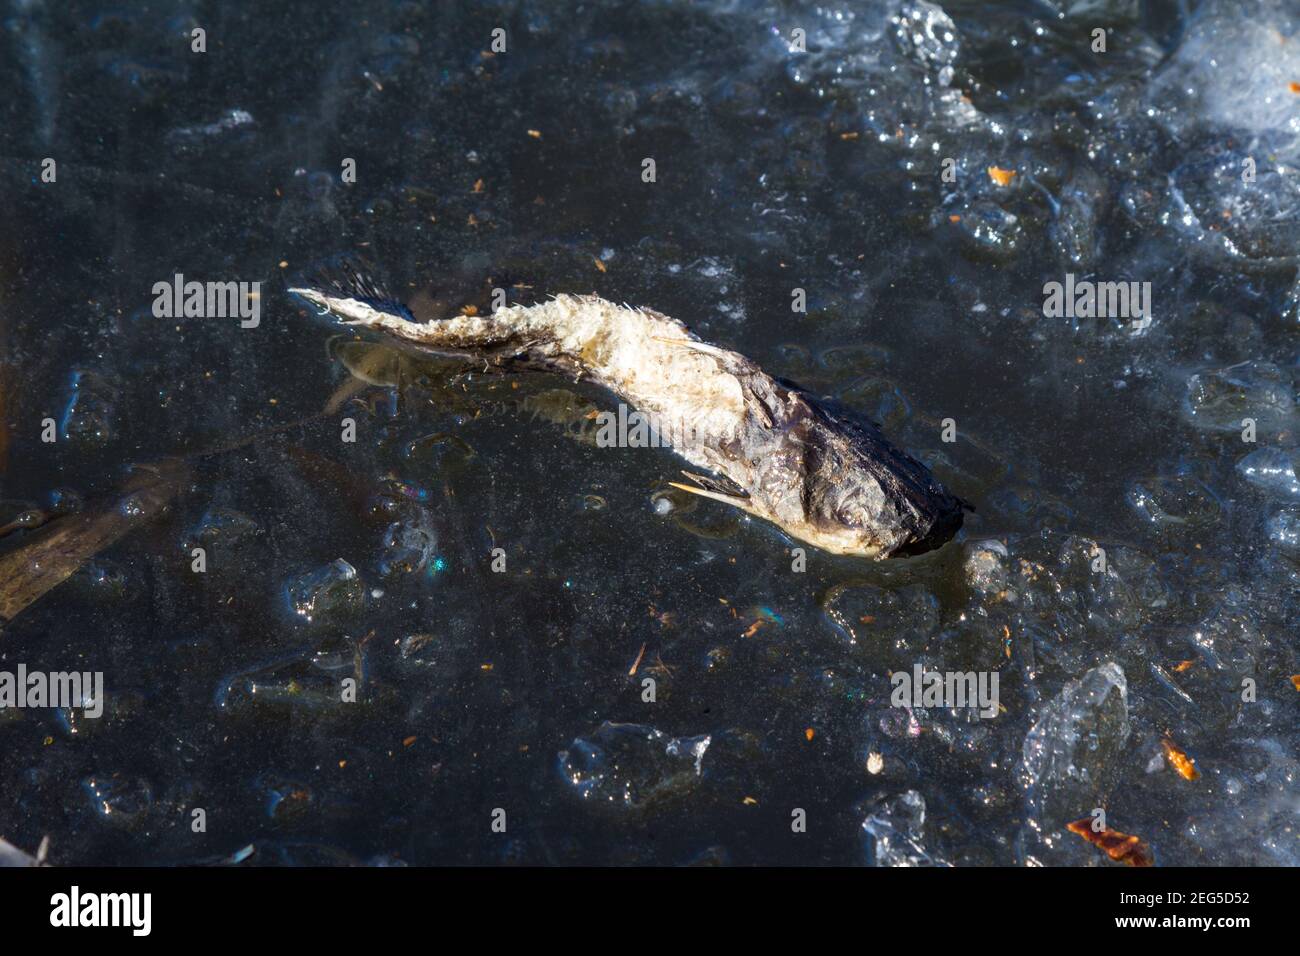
(1131, 573)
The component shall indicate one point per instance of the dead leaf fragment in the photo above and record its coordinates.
(1120, 847)
(1001, 176)
(1179, 760)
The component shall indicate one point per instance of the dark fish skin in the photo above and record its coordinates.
(769, 448)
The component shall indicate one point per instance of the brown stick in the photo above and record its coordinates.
(64, 545)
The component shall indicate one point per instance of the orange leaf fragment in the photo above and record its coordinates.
(1001, 176)
(809, 734)
(1120, 847)
(599, 265)
(1182, 666)
(1295, 681)
(637, 663)
(1179, 760)
(1293, 86)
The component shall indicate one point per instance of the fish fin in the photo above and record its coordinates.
(348, 279)
(737, 365)
(722, 355)
(722, 485)
(741, 503)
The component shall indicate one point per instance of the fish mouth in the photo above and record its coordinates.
(940, 532)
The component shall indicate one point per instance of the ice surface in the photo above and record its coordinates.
(1233, 70)
(1122, 524)
(1173, 501)
(1283, 530)
(1069, 758)
(632, 766)
(119, 799)
(897, 831)
(328, 594)
(1272, 470)
(1224, 398)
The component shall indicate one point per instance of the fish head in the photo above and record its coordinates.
(865, 515)
(841, 487)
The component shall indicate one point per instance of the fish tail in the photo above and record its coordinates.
(347, 280)
(353, 294)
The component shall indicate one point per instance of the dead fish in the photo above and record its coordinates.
(771, 449)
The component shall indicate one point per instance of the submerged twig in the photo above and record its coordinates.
(64, 545)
